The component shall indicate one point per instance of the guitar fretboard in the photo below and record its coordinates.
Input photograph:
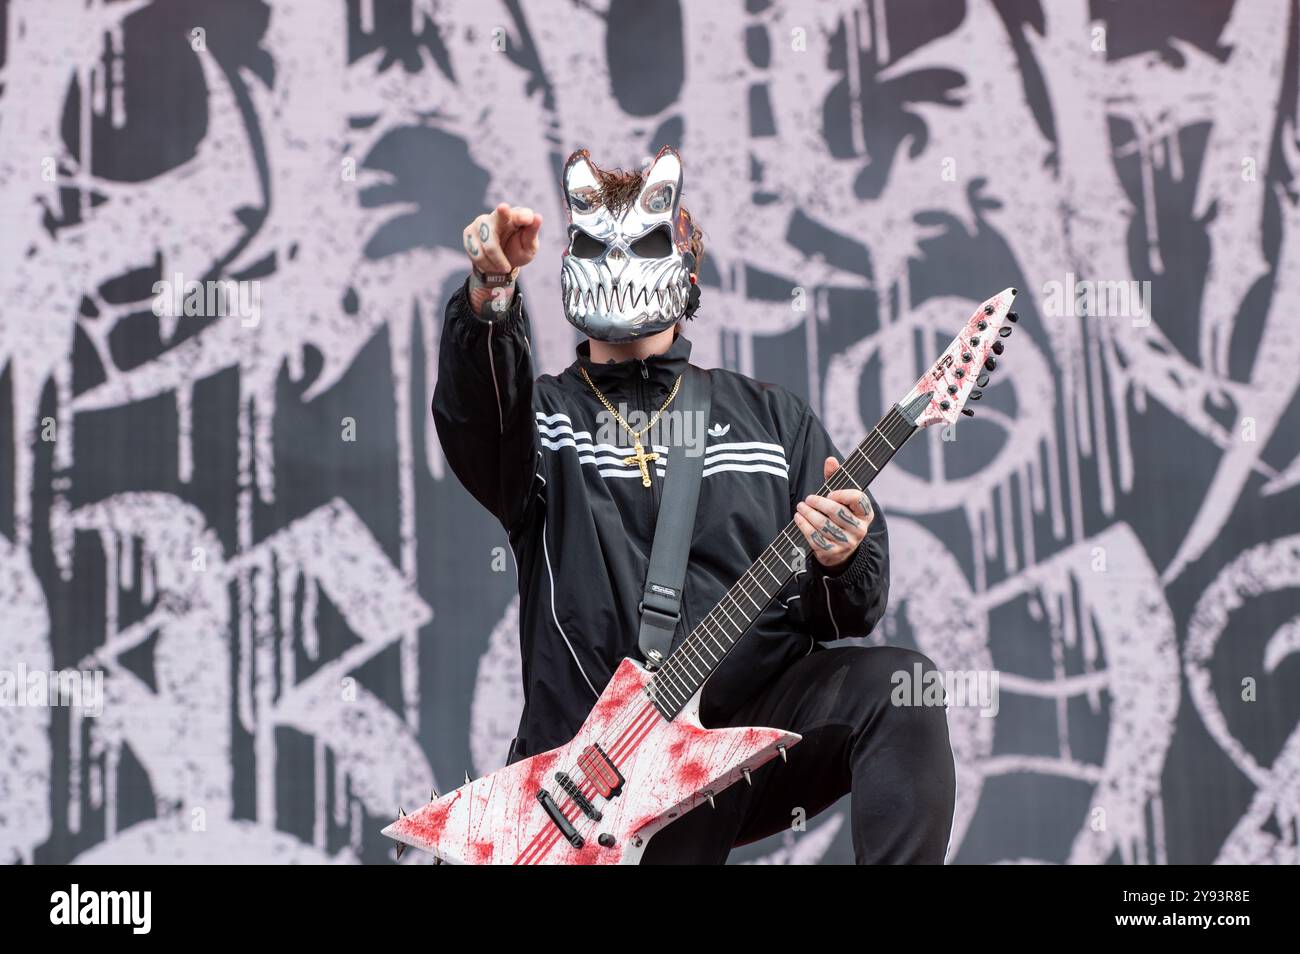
(688, 667)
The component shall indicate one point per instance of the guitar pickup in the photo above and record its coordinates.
(557, 818)
(571, 789)
(600, 771)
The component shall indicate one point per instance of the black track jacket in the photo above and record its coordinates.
(581, 524)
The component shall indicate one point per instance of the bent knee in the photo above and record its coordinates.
(892, 664)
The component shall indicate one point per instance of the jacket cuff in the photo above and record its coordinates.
(467, 327)
(491, 315)
(852, 572)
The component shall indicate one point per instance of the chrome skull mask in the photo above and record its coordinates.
(626, 272)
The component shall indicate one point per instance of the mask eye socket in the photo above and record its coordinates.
(584, 246)
(654, 244)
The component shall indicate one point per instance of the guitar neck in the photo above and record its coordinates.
(689, 666)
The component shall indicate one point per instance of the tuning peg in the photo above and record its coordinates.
(952, 389)
(988, 309)
(401, 847)
(1005, 331)
(983, 379)
(1012, 317)
(990, 362)
(998, 347)
(944, 405)
(968, 412)
(976, 394)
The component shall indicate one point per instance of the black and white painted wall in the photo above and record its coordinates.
(243, 519)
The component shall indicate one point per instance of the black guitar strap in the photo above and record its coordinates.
(661, 601)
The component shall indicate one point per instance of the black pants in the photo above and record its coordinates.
(895, 760)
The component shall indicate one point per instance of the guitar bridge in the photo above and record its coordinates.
(574, 792)
(600, 771)
(557, 818)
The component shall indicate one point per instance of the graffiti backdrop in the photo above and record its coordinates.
(236, 511)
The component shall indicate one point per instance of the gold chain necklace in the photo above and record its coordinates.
(639, 456)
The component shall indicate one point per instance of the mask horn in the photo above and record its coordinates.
(662, 188)
(581, 187)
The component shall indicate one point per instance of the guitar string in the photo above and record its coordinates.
(874, 441)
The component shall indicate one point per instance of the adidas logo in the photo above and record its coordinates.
(717, 430)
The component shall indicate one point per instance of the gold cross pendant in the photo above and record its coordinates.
(639, 457)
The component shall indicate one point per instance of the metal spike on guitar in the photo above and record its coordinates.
(401, 812)
(401, 847)
(748, 778)
(709, 796)
(433, 795)
(784, 757)
(467, 778)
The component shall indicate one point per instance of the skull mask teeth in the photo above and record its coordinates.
(626, 274)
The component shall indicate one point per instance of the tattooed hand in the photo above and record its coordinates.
(497, 243)
(834, 525)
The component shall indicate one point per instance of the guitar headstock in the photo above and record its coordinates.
(963, 369)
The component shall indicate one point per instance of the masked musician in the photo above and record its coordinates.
(569, 466)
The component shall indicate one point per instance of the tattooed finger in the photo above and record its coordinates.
(821, 541)
(470, 246)
(484, 233)
(847, 518)
(835, 532)
(865, 504)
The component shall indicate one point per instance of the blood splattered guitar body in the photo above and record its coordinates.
(628, 764)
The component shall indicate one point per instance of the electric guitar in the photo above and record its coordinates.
(642, 758)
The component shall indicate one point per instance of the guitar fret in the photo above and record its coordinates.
(725, 613)
(692, 665)
(715, 640)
